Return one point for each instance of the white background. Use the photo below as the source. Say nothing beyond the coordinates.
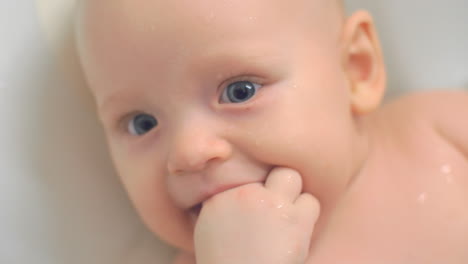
(60, 201)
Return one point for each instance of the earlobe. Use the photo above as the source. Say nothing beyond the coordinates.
(363, 63)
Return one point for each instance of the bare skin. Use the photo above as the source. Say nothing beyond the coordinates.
(370, 184)
(414, 211)
(408, 205)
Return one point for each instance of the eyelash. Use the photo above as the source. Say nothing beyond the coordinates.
(238, 78)
(123, 121)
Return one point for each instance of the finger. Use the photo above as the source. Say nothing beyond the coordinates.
(286, 182)
(308, 207)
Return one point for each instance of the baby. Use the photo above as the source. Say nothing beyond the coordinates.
(249, 131)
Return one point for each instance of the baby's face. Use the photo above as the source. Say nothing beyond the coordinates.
(199, 95)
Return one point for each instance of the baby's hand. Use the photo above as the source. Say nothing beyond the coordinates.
(257, 223)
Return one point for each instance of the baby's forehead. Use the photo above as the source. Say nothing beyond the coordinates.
(116, 36)
(110, 21)
(169, 13)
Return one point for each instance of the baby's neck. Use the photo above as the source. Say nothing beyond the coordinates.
(363, 151)
(363, 148)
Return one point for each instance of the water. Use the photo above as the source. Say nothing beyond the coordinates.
(422, 198)
(446, 171)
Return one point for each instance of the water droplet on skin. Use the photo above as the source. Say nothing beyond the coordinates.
(446, 169)
(279, 206)
(422, 198)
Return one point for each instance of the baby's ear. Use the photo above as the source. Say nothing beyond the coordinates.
(363, 63)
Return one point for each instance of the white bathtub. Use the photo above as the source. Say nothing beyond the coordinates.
(60, 202)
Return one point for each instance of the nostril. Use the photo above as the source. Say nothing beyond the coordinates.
(183, 167)
(196, 154)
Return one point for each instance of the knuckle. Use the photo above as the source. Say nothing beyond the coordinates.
(310, 208)
(311, 201)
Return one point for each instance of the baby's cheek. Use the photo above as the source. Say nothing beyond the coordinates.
(146, 188)
(169, 224)
(139, 172)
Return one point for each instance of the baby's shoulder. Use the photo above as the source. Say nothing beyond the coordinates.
(444, 112)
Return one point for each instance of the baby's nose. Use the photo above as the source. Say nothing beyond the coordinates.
(192, 151)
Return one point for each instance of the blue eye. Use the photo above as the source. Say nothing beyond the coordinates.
(239, 92)
(141, 124)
